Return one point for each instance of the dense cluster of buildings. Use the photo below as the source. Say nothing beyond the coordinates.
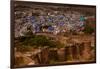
(48, 19)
